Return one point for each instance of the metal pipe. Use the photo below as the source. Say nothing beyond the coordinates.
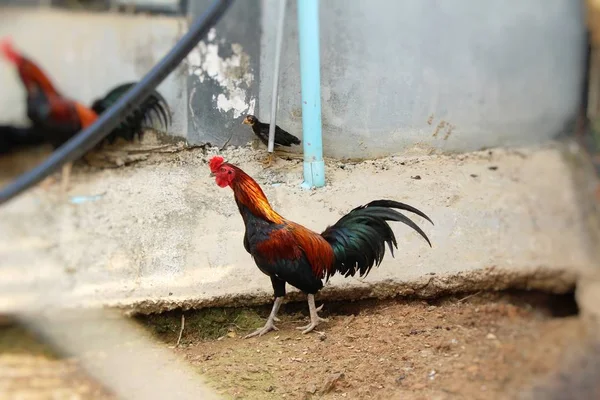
(274, 95)
(310, 76)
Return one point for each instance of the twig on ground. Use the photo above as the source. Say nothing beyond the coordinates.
(469, 296)
(181, 330)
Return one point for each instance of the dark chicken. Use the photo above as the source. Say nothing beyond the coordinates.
(261, 129)
(290, 253)
(16, 137)
(55, 118)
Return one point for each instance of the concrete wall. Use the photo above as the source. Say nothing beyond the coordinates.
(449, 75)
(164, 235)
(491, 73)
(224, 76)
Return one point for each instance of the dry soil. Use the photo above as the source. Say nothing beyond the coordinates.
(477, 346)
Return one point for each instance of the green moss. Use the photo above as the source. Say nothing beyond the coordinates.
(210, 323)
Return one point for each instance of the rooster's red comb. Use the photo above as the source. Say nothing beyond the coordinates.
(8, 51)
(215, 163)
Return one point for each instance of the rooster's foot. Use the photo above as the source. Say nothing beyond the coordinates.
(269, 326)
(313, 324)
(315, 320)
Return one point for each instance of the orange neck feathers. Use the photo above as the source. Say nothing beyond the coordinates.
(86, 115)
(30, 73)
(249, 193)
(245, 189)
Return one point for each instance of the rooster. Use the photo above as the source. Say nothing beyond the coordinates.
(290, 253)
(55, 118)
(261, 130)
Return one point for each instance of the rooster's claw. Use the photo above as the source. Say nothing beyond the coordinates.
(261, 331)
(315, 320)
(313, 324)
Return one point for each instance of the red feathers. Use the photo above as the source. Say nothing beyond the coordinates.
(275, 248)
(318, 252)
(32, 76)
(9, 52)
(86, 116)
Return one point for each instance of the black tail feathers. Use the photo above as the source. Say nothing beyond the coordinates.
(139, 118)
(358, 239)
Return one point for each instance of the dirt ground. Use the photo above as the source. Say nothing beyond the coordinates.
(478, 346)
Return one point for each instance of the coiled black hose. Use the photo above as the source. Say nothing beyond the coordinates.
(85, 140)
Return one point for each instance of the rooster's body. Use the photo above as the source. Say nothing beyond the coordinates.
(16, 137)
(290, 253)
(54, 118)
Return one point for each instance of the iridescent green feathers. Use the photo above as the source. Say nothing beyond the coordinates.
(358, 239)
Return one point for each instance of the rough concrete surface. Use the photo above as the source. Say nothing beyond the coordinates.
(161, 234)
(588, 203)
(451, 78)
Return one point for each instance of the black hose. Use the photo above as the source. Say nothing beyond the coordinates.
(85, 140)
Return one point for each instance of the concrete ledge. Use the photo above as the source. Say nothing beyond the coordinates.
(161, 234)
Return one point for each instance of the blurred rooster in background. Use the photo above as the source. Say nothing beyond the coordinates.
(55, 118)
(290, 253)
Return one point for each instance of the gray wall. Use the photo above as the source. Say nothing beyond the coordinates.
(449, 75)
(224, 76)
(491, 73)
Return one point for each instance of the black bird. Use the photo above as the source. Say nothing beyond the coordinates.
(261, 129)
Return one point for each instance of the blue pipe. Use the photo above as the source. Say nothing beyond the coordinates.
(310, 77)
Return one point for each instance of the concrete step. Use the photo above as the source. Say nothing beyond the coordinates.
(161, 234)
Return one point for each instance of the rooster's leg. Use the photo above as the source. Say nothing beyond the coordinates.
(314, 317)
(269, 326)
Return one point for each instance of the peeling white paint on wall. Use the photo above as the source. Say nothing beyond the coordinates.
(252, 106)
(212, 34)
(232, 74)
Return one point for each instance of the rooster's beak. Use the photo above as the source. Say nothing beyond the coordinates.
(246, 122)
(212, 175)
